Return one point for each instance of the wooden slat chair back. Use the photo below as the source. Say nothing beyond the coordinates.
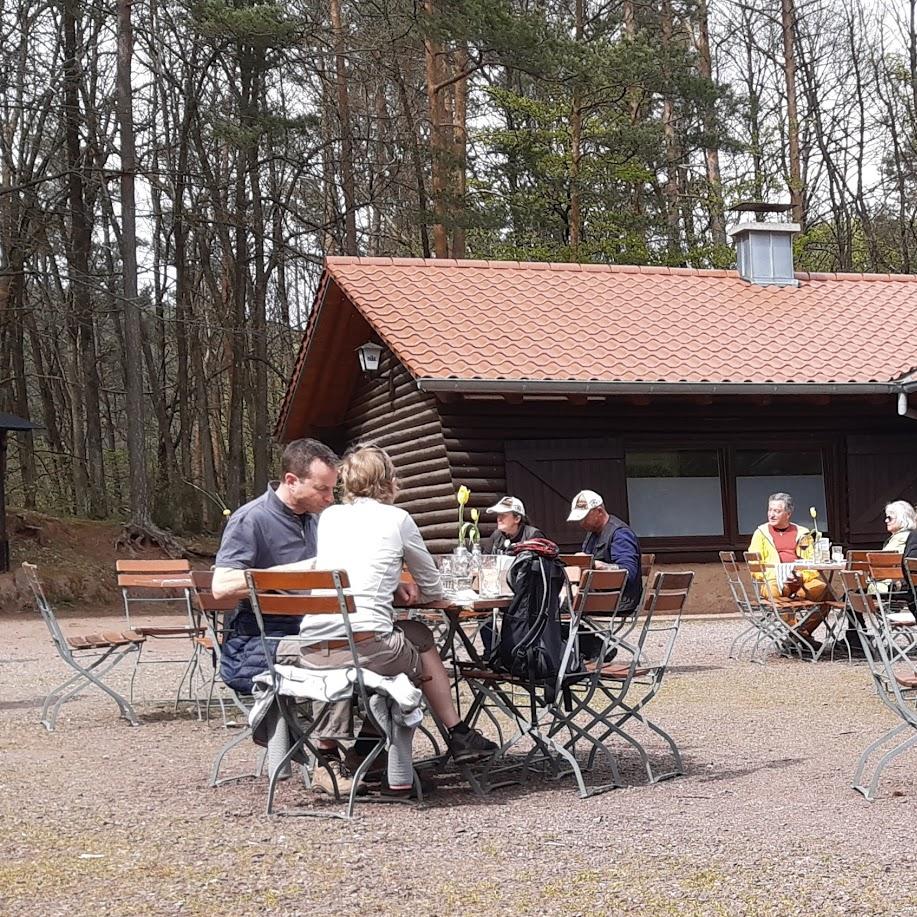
(155, 582)
(302, 594)
(92, 656)
(887, 575)
(894, 674)
(858, 560)
(152, 586)
(575, 566)
(600, 592)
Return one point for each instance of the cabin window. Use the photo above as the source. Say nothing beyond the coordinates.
(674, 493)
(759, 473)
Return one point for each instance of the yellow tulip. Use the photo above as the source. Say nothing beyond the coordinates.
(463, 495)
(813, 512)
(475, 514)
(227, 512)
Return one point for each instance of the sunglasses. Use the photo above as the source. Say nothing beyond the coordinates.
(888, 519)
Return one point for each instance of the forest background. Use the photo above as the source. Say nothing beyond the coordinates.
(173, 172)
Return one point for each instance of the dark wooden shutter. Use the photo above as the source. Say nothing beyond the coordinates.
(880, 469)
(547, 474)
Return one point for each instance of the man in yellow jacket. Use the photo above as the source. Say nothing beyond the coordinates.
(780, 541)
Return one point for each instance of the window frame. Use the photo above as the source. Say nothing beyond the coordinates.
(699, 547)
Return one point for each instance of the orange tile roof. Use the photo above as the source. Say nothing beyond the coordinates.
(510, 320)
(505, 321)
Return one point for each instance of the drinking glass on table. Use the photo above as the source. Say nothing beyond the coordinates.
(445, 568)
(822, 549)
(837, 554)
(490, 577)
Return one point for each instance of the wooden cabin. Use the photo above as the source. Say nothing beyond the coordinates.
(683, 396)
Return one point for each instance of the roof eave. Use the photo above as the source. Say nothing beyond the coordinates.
(592, 387)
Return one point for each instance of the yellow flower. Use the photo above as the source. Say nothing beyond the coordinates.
(813, 512)
(227, 512)
(475, 514)
(463, 494)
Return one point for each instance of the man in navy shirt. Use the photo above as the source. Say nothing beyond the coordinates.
(273, 531)
(611, 541)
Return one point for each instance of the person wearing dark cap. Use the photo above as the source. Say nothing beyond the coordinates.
(611, 541)
(512, 526)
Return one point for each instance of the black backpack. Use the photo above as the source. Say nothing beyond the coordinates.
(531, 644)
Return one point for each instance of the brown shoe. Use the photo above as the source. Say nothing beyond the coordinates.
(334, 778)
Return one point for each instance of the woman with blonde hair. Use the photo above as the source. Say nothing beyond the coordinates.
(373, 540)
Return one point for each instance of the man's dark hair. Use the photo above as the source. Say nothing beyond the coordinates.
(299, 455)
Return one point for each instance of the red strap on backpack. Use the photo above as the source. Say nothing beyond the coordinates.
(540, 546)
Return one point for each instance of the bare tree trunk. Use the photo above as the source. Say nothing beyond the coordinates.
(711, 152)
(133, 334)
(343, 98)
(87, 430)
(576, 143)
(416, 161)
(440, 131)
(797, 196)
(261, 444)
(460, 153)
(671, 189)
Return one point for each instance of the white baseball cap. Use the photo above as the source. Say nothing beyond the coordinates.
(508, 505)
(582, 503)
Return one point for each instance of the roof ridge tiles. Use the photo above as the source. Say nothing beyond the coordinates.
(658, 269)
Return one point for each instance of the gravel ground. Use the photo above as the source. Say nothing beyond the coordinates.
(100, 818)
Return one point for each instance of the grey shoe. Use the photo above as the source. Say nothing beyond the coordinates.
(470, 746)
(323, 782)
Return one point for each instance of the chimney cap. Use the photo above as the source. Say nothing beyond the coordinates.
(759, 207)
(764, 228)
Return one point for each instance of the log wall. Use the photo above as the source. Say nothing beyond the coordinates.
(392, 413)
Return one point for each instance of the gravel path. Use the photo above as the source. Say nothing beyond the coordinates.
(99, 818)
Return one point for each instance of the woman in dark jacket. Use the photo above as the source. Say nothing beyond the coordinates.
(512, 526)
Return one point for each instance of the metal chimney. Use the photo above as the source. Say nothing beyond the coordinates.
(764, 251)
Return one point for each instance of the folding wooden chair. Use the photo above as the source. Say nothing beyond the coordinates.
(149, 585)
(894, 675)
(92, 656)
(886, 576)
(300, 594)
(214, 613)
(620, 689)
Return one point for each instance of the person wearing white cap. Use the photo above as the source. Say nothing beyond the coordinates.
(512, 526)
(609, 540)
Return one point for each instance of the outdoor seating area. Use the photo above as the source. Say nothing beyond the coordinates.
(754, 741)
(357, 670)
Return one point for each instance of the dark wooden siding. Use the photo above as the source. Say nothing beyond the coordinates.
(481, 436)
(393, 414)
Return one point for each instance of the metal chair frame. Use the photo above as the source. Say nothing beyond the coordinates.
(606, 698)
(889, 666)
(756, 617)
(786, 637)
(99, 654)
